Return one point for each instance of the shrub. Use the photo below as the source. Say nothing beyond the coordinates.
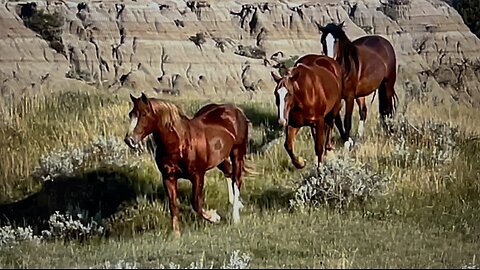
(235, 262)
(101, 151)
(430, 143)
(284, 65)
(12, 236)
(470, 12)
(339, 182)
(68, 226)
(49, 26)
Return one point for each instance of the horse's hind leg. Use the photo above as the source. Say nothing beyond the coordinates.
(197, 198)
(386, 98)
(237, 155)
(362, 108)
(348, 142)
(226, 168)
(329, 121)
(320, 140)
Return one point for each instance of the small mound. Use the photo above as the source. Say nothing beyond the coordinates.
(338, 182)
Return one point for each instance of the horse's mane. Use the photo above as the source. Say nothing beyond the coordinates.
(168, 113)
(349, 52)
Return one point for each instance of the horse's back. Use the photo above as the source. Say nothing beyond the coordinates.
(320, 60)
(227, 116)
(380, 46)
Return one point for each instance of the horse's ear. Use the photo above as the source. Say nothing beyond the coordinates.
(319, 26)
(341, 24)
(293, 74)
(144, 98)
(276, 77)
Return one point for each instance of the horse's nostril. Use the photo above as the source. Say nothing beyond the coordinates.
(129, 141)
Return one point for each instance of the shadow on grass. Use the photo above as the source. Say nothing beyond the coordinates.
(271, 198)
(264, 120)
(101, 192)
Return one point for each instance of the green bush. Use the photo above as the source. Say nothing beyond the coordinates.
(470, 12)
(49, 26)
(286, 64)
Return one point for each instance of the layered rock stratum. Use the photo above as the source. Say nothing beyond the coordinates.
(227, 48)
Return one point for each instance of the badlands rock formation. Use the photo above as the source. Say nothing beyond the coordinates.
(224, 47)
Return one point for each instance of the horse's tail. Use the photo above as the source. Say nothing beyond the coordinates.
(395, 101)
(387, 96)
(249, 168)
(249, 165)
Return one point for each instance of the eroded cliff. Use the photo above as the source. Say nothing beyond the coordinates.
(226, 47)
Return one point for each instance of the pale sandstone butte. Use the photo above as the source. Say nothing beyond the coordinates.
(146, 45)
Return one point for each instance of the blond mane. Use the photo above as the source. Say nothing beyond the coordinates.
(168, 113)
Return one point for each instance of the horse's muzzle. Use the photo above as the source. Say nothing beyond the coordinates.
(131, 142)
(282, 122)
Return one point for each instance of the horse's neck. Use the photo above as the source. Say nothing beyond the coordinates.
(171, 139)
(348, 64)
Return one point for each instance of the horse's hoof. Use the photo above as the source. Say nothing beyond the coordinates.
(348, 144)
(300, 164)
(213, 216)
(176, 234)
(329, 147)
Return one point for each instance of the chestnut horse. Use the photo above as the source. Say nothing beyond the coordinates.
(216, 136)
(321, 60)
(368, 63)
(309, 96)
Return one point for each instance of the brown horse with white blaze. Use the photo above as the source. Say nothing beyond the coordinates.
(216, 136)
(309, 96)
(368, 63)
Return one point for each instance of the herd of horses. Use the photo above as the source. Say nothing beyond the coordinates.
(309, 94)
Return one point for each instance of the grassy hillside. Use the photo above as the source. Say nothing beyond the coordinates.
(427, 215)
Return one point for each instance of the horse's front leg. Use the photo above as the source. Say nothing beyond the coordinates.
(299, 162)
(348, 123)
(320, 141)
(362, 109)
(197, 199)
(170, 185)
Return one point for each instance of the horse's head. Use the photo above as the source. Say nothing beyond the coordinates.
(330, 38)
(284, 94)
(142, 121)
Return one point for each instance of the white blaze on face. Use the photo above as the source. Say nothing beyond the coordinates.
(133, 124)
(282, 92)
(330, 40)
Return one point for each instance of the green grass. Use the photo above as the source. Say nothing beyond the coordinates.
(429, 217)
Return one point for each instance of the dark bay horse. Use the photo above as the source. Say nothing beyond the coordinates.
(368, 63)
(309, 96)
(216, 136)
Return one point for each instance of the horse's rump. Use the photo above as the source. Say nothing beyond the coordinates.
(319, 60)
(227, 116)
(381, 47)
